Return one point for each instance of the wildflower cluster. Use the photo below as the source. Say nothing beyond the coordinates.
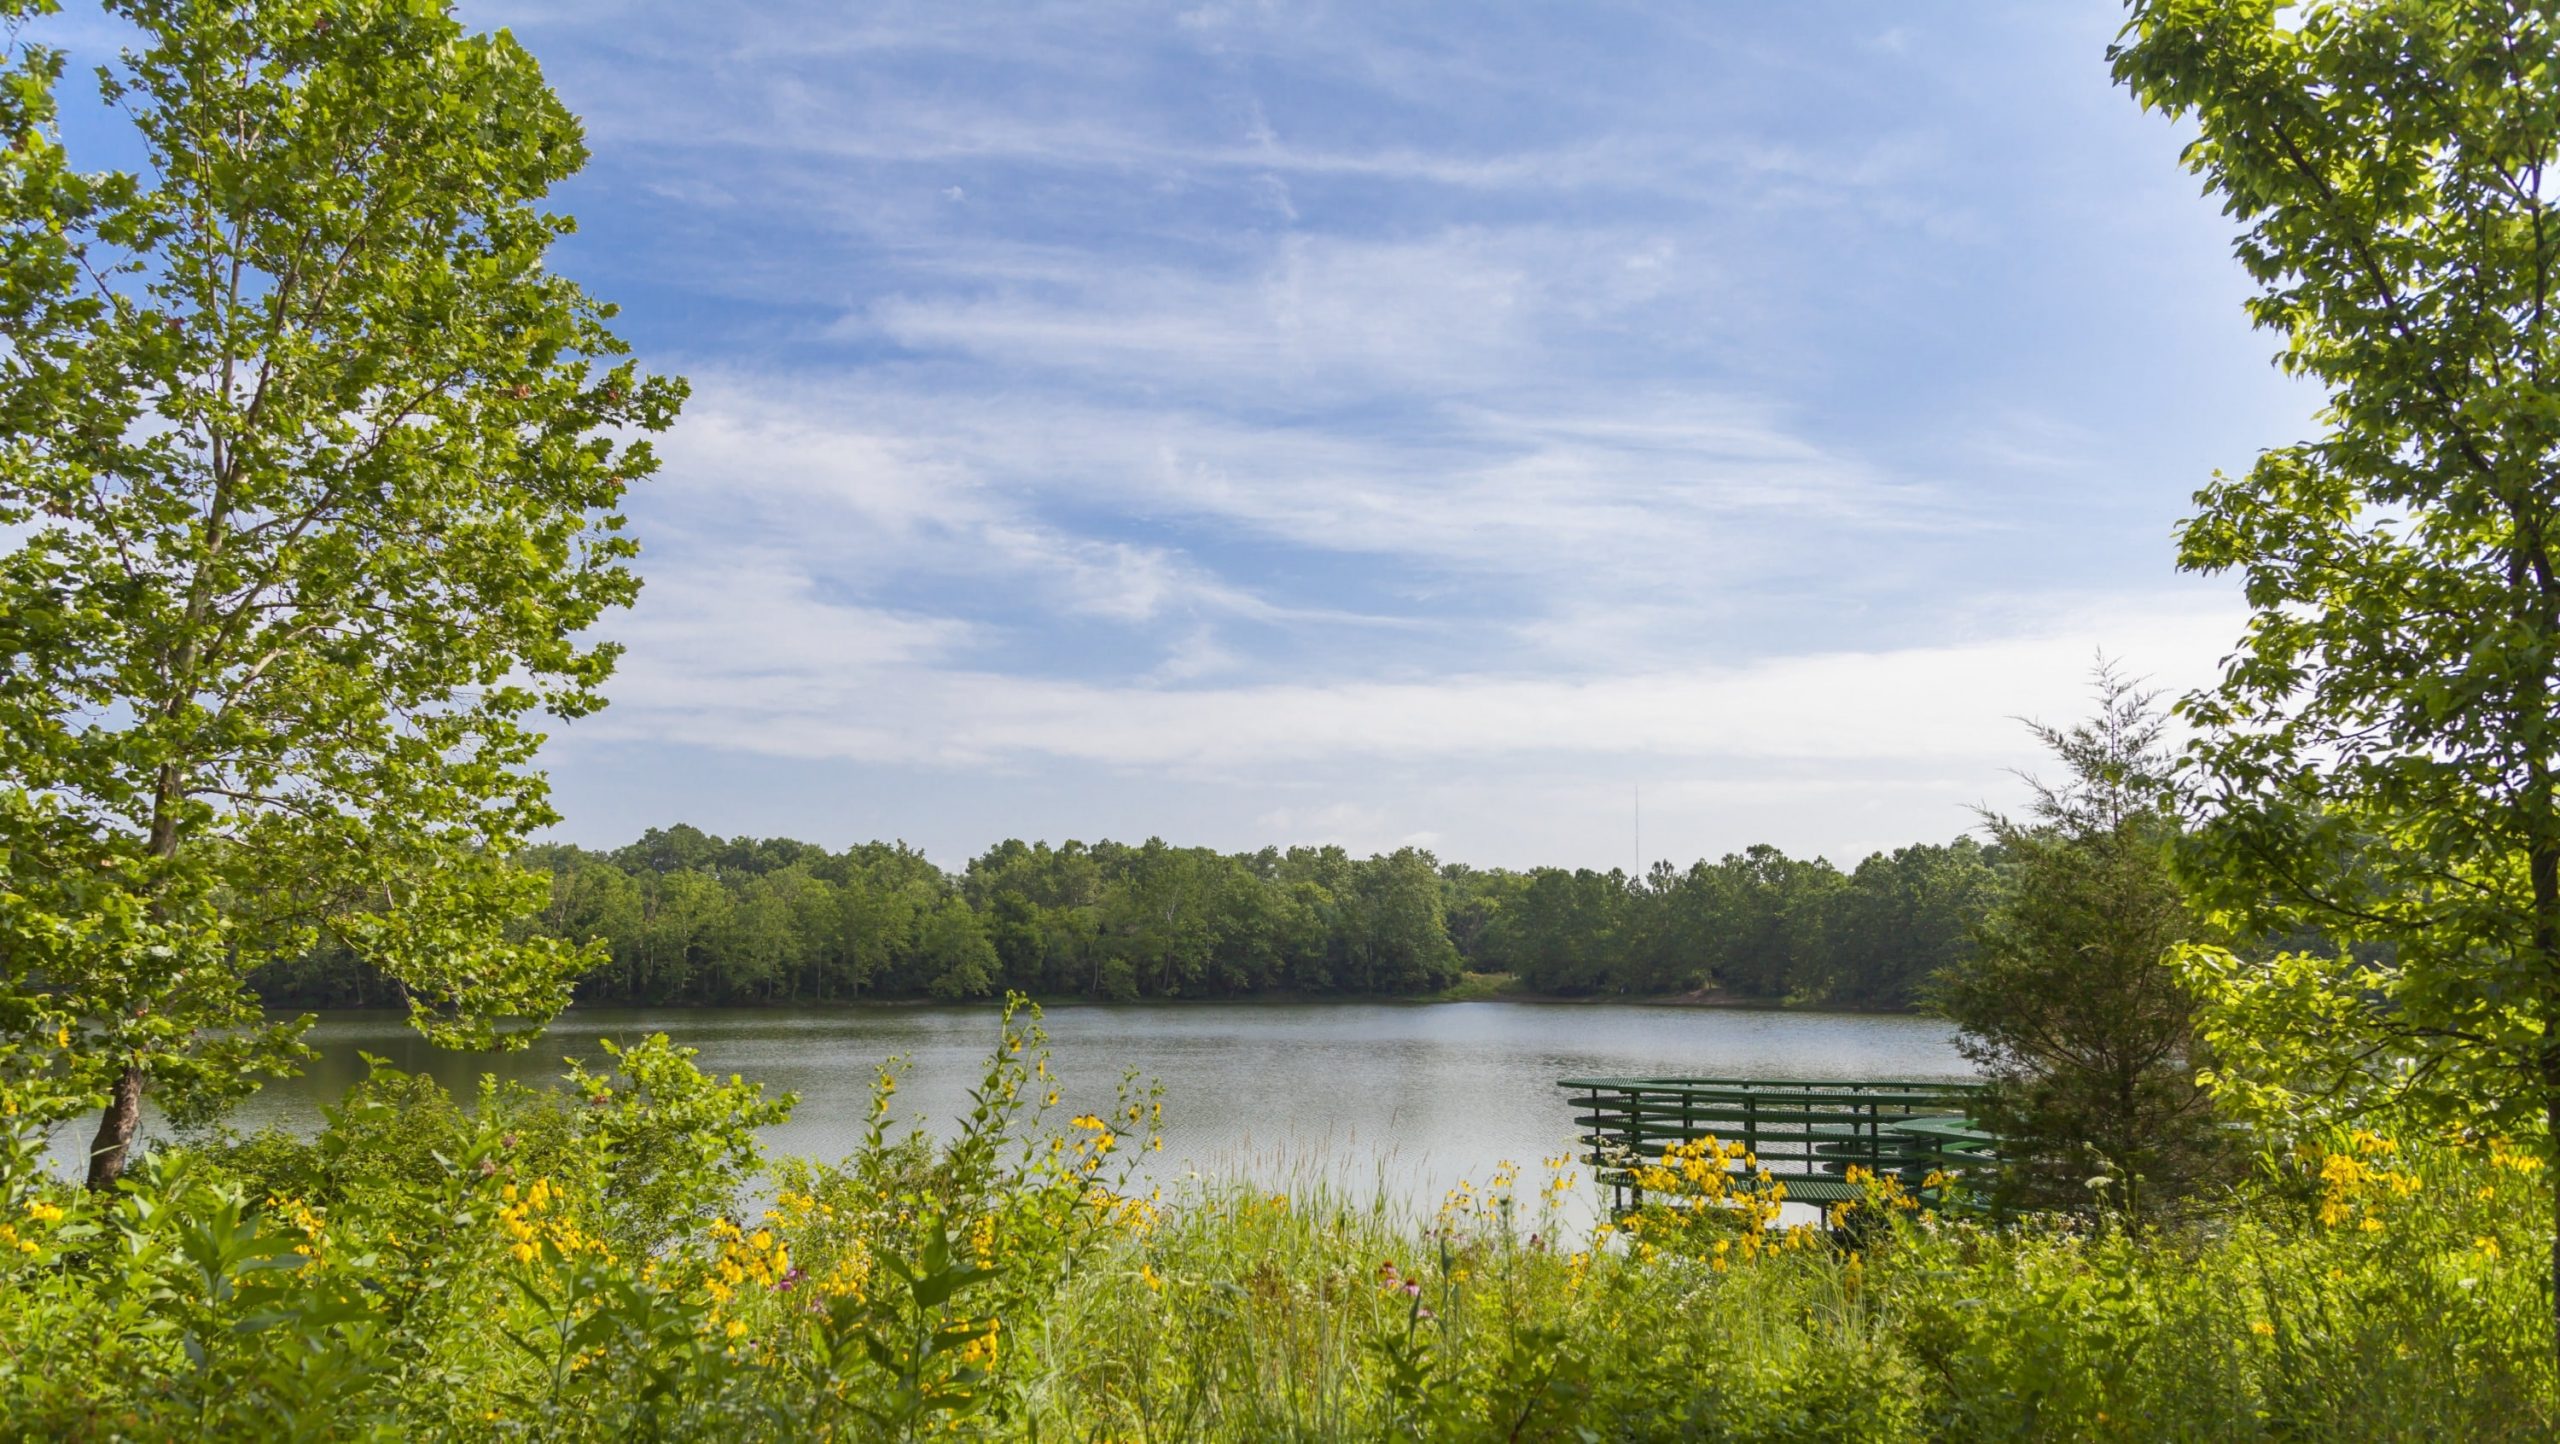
(26, 1236)
(297, 1214)
(2504, 1155)
(1400, 1287)
(1883, 1195)
(2356, 1182)
(936, 1257)
(1707, 1199)
(836, 1261)
(743, 1260)
(1702, 1173)
(1008, 1281)
(534, 1225)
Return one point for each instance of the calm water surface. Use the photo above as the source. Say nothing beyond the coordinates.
(1400, 1098)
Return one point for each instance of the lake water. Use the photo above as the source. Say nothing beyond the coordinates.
(1400, 1098)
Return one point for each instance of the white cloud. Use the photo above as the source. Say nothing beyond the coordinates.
(1642, 505)
(1196, 654)
(874, 505)
(803, 123)
(2024, 441)
(1312, 319)
(1335, 822)
(812, 688)
(1384, 428)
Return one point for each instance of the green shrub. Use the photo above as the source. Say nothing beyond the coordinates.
(581, 1263)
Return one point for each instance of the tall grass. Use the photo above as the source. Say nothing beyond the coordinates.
(561, 1267)
(1244, 1314)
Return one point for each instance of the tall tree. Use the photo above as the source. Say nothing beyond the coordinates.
(2384, 748)
(1565, 932)
(1770, 909)
(1399, 935)
(953, 954)
(1903, 918)
(1160, 918)
(317, 471)
(2068, 999)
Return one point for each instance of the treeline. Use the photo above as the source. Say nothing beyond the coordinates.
(690, 918)
(1758, 924)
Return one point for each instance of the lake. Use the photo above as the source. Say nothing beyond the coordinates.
(1399, 1098)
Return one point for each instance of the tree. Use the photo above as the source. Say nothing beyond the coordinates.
(2381, 749)
(1399, 937)
(953, 953)
(817, 908)
(1159, 916)
(316, 471)
(876, 922)
(592, 901)
(760, 945)
(681, 848)
(2068, 1000)
(1565, 932)
(1320, 880)
(1475, 900)
(1903, 918)
(1021, 946)
(1770, 908)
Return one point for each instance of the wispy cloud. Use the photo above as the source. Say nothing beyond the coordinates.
(1383, 424)
(1652, 507)
(806, 693)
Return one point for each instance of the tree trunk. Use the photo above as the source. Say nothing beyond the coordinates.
(115, 1131)
(2543, 866)
(2551, 1121)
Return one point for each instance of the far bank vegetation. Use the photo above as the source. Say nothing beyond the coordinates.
(692, 919)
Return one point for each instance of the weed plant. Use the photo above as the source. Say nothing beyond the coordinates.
(580, 1263)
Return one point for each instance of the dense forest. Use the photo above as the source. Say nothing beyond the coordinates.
(689, 918)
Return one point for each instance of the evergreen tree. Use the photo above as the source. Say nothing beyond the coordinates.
(2069, 1001)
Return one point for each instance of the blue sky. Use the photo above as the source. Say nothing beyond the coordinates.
(1378, 424)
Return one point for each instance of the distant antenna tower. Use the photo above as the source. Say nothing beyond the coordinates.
(1639, 832)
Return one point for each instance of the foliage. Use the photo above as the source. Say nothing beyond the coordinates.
(312, 469)
(676, 1145)
(424, 1269)
(689, 918)
(2381, 750)
(2366, 1291)
(2069, 1001)
(1756, 924)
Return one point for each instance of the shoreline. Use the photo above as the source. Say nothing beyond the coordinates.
(1479, 988)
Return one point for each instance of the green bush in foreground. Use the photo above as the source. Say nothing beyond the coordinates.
(578, 1264)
